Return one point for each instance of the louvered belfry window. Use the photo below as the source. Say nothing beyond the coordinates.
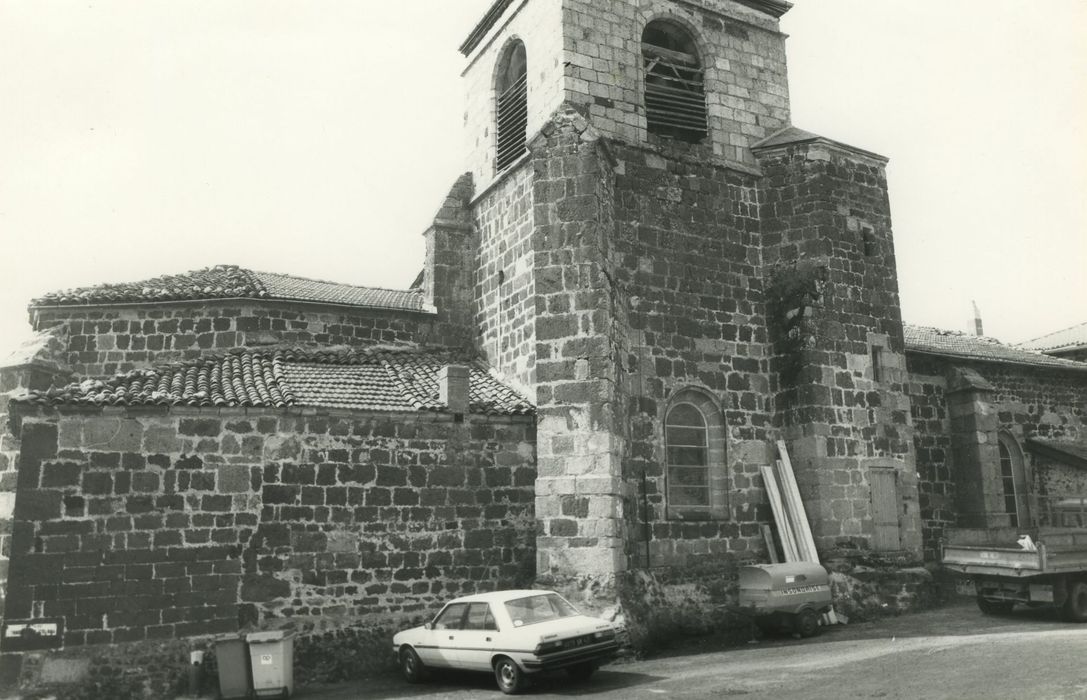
(512, 87)
(675, 96)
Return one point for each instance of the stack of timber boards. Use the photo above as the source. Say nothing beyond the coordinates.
(789, 513)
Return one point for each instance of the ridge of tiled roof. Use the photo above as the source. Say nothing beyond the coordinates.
(1071, 338)
(937, 341)
(396, 378)
(234, 282)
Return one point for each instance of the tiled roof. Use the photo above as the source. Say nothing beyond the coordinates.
(233, 282)
(378, 379)
(935, 341)
(1074, 338)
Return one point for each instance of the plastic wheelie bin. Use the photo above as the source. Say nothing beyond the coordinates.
(272, 657)
(233, 660)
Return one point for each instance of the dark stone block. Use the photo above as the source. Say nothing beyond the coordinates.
(262, 589)
(275, 493)
(61, 474)
(38, 505)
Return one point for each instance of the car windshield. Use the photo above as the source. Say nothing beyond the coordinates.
(538, 608)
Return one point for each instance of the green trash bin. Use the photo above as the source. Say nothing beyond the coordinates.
(233, 660)
(272, 659)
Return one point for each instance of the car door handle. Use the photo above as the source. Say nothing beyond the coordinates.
(488, 639)
(450, 636)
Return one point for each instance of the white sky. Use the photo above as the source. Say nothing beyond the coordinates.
(318, 138)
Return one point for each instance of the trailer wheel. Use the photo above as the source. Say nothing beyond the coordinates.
(995, 607)
(1075, 606)
(806, 623)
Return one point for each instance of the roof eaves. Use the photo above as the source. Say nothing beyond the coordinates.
(1053, 450)
(1063, 365)
(423, 308)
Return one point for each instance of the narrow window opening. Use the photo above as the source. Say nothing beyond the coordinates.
(675, 97)
(871, 245)
(1007, 480)
(512, 87)
(877, 364)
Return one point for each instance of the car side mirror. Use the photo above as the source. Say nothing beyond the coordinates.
(428, 626)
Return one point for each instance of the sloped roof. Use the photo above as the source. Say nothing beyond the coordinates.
(377, 379)
(233, 282)
(790, 135)
(1073, 338)
(935, 341)
(1074, 453)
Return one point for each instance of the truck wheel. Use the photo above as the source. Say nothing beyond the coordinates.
(995, 607)
(806, 623)
(1075, 606)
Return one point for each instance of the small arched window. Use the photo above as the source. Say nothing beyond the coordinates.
(1013, 481)
(695, 480)
(511, 129)
(675, 96)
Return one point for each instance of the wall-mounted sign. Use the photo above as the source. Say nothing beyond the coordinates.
(28, 635)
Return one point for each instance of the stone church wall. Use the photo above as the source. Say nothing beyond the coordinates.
(687, 243)
(102, 341)
(505, 286)
(141, 527)
(1028, 403)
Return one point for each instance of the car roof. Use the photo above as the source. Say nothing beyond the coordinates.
(499, 596)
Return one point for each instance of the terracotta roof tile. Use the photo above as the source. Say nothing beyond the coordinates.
(232, 282)
(954, 343)
(379, 379)
(1074, 338)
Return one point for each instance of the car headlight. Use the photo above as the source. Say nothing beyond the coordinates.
(607, 634)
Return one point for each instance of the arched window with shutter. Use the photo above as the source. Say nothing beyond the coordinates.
(675, 96)
(695, 477)
(511, 86)
(1013, 481)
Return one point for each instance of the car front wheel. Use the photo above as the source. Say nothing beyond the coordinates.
(411, 665)
(510, 677)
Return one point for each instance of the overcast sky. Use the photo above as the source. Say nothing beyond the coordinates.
(318, 138)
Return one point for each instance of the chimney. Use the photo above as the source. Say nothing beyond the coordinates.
(978, 330)
(453, 388)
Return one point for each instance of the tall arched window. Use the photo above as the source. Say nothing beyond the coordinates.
(511, 128)
(1013, 481)
(675, 97)
(695, 478)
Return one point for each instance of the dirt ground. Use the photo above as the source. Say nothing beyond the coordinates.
(953, 652)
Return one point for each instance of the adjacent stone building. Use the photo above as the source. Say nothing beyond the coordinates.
(645, 279)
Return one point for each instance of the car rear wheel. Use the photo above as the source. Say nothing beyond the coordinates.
(806, 623)
(411, 665)
(508, 675)
(1075, 607)
(995, 607)
(581, 672)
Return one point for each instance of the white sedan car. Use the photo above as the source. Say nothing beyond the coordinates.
(510, 633)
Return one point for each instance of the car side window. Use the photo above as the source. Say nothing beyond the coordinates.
(451, 618)
(489, 623)
(477, 616)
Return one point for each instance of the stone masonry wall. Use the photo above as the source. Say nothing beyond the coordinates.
(136, 526)
(687, 241)
(105, 340)
(505, 289)
(1028, 402)
(742, 52)
(833, 288)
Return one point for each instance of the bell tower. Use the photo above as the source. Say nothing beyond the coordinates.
(706, 75)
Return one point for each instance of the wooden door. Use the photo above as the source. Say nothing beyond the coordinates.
(884, 484)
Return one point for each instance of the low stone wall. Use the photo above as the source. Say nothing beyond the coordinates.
(136, 527)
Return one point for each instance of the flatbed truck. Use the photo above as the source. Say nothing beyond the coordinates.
(1000, 573)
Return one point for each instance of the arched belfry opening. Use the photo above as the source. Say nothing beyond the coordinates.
(675, 96)
(511, 129)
